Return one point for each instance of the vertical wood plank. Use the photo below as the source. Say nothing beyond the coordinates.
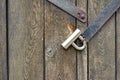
(3, 71)
(102, 46)
(60, 63)
(82, 55)
(118, 44)
(26, 39)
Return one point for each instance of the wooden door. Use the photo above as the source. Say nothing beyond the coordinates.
(31, 33)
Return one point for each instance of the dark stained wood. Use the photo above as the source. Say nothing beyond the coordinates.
(60, 63)
(82, 55)
(26, 25)
(102, 46)
(3, 70)
(118, 44)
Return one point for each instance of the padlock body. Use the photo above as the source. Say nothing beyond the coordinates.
(71, 39)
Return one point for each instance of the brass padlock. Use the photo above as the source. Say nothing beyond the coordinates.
(70, 41)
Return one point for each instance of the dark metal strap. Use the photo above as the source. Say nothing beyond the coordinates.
(71, 9)
(101, 19)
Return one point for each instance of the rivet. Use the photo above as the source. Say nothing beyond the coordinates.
(82, 16)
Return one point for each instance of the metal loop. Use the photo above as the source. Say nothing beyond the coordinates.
(82, 47)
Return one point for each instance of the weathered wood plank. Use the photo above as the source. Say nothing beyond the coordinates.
(3, 71)
(82, 55)
(118, 44)
(26, 25)
(60, 64)
(102, 46)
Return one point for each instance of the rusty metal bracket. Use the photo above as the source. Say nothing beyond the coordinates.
(70, 9)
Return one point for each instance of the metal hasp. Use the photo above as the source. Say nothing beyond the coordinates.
(105, 15)
(93, 28)
(70, 9)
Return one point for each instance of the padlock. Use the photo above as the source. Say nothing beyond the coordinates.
(71, 40)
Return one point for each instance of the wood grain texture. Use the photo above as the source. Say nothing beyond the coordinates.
(3, 71)
(60, 63)
(26, 39)
(82, 55)
(102, 46)
(118, 44)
